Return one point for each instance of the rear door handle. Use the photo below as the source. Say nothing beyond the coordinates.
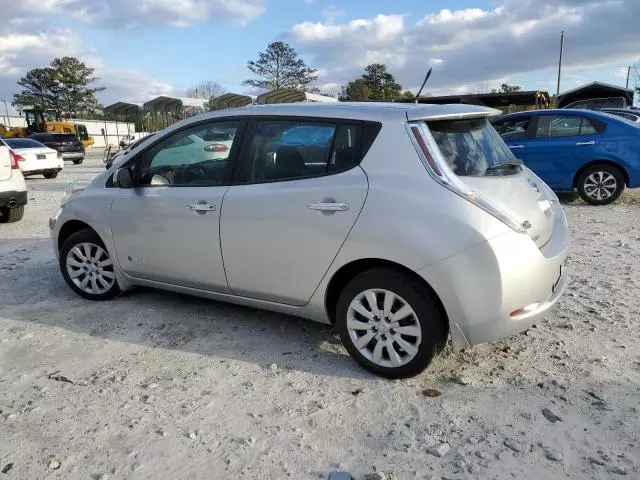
(329, 207)
(586, 143)
(201, 207)
(516, 146)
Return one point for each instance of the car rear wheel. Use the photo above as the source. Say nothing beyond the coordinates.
(11, 215)
(87, 267)
(600, 184)
(77, 162)
(53, 174)
(389, 323)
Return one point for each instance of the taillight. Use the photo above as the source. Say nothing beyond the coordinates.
(425, 151)
(15, 158)
(216, 148)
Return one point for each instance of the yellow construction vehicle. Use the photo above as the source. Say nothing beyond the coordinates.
(47, 121)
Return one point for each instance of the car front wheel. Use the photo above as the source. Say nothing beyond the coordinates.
(600, 184)
(389, 323)
(87, 267)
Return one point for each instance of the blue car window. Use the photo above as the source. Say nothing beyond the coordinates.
(310, 135)
(564, 126)
(513, 128)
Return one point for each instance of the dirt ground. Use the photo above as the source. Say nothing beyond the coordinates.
(161, 386)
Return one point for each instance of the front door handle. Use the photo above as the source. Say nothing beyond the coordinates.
(516, 146)
(201, 207)
(329, 206)
(586, 143)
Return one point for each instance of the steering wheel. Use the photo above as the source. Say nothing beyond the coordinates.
(193, 173)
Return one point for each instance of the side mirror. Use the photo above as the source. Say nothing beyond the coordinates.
(108, 165)
(122, 178)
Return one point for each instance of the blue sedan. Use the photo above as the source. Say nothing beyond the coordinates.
(594, 152)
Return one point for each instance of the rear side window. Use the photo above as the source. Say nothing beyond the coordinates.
(473, 148)
(564, 126)
(513, 128)
(287, 150)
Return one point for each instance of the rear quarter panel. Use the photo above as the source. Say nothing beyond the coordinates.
(621, 144)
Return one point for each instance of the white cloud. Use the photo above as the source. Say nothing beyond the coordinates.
(332, 12)
(21, 50)
(141, 14)
(27, 42)
(472, 46)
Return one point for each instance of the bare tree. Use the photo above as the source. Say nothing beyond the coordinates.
(205, 90)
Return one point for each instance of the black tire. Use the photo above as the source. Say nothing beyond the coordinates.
(78, 162)
(432, 324)
(607, 170)
(85, 236)
(50, 175)
(11, 215)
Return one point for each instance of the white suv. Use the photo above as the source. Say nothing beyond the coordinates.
(13, 190)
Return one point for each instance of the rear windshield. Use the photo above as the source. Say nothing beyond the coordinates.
(63, 137)
(473, 148)
(54, 137)
(17, 143)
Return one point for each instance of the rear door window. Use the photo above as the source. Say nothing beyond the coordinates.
(286, 150)
(473, 148)
(513, 128)
(564, 126)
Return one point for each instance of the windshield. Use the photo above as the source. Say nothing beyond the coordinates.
(473, 148)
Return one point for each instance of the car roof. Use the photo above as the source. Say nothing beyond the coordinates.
(560, 111)
(374, 111)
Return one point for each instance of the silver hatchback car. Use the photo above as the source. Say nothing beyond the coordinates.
(400, 224)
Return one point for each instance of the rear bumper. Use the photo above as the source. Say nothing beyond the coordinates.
(41, 166)
(42, 171)
(72, 155)
(13, 199)
(503, 286)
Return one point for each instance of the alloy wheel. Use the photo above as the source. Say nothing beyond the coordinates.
(600, 185)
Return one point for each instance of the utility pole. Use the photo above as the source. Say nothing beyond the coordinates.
(6, 109)
(628, 74)
(560, 62)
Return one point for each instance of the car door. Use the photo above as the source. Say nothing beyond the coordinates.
(292, 207)
(562, 144)
(166, 228)
(516, 131)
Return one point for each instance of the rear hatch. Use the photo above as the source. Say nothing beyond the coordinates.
(37, 154)
(477, 155)
(65, 143)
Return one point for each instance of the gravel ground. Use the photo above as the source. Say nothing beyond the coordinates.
(161, 386)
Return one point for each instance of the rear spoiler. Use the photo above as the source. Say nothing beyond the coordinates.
(464, 113)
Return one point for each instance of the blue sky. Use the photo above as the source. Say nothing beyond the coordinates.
(143, 48)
